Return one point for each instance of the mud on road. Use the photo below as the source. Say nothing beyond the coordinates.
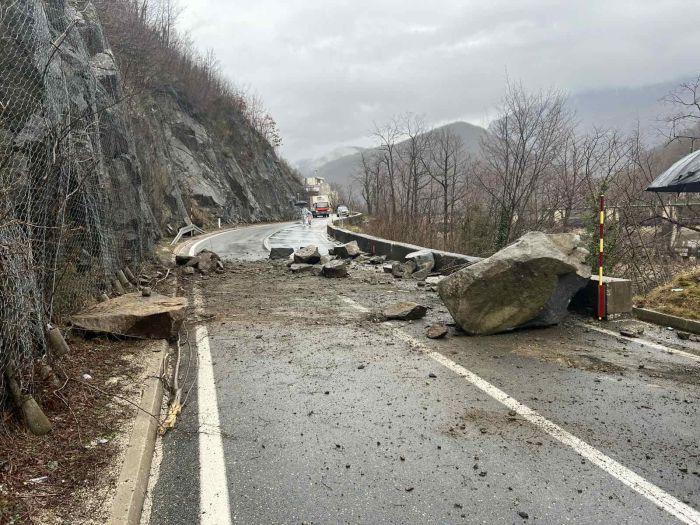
(328, 415)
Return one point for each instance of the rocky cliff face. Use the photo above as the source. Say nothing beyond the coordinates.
(91, 177)
(155, 164)
(207, 168)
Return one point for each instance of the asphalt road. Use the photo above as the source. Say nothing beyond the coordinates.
(302, 408)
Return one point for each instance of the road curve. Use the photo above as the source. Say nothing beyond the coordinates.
(253, 242)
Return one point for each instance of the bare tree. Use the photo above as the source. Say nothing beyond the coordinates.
(446, 164)
(521, 147)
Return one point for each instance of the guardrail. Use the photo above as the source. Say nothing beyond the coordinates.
(393, 250)
(190, 228)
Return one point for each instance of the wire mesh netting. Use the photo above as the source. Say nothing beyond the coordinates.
(59, 247)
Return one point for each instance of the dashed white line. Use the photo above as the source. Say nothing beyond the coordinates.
(213, 486)
(645, 488)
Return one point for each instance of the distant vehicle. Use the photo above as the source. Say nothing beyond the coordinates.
(343, 211)
(321, 209)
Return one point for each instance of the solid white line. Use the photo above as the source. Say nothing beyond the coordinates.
(656, 495)
(213, 487)
(643, 342)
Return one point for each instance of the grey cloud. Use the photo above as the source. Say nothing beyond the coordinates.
(328, 69)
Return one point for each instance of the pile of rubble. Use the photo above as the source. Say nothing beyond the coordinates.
(340, 259)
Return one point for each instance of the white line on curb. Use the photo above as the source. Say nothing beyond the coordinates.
(656, 495)
(643, 342)
(214, 504)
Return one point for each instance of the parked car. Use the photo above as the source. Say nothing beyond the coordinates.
(343, 211)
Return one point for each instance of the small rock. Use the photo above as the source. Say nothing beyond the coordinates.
(683, 335)
(87, 377)
(405, 311)
(361, 367)
(348, 251)
(336, 268)
(437, 331)
(189, 270)
(307, 255)
(146, 291)
(432, 375)
(524, 515)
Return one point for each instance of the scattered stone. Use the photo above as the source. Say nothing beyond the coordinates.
(307, 255)
(377, 260)
(420, 284)
(331, 251)
(397, 270)
(280, 253)
(528, 283)
(420, 275)
(325, 259)
(317, 270)
(432, 375)
(437, 331)
(146, 291)
(684, 336)
(434, 280)
(87, 377)
(348, 251)
(388, 268)
(524, 515)
(301, 268)
(405, 311)
(154, 317)
(188, 270)
(631, 330)
(336, 268)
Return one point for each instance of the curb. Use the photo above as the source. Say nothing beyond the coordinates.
(393, 250)
(679, 323)
(136, 469)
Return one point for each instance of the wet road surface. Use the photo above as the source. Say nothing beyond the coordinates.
(327, 416)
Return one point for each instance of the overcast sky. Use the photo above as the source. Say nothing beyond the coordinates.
(328, 69)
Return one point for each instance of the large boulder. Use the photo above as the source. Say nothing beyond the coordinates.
(348, 251)
(280, 253)
(528, 283)
(307, 255)
(154, 317)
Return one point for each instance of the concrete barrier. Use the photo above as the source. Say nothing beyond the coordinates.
(395, 251)
(679, 323)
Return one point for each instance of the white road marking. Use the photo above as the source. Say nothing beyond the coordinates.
(643, 342)
(656, 495)
(213, 487)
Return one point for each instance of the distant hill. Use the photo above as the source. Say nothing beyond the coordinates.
(340, 169)
(625, 108)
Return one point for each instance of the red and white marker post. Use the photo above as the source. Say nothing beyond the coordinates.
(601, 284)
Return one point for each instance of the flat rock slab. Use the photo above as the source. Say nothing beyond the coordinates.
(405, 311)
(280, 253)
(153, 317)
(301, 267)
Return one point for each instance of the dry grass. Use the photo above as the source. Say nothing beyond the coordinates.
(683, 303)
(71, 460)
